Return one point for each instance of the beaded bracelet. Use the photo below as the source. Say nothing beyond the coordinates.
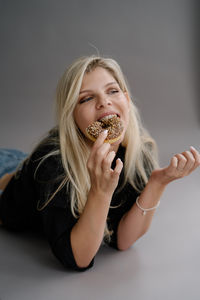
(145, 210)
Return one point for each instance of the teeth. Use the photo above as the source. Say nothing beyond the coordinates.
(107, 117)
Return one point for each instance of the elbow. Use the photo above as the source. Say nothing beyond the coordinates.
(83, 263)
(82, 254)
(123, 248)
(123, 244)
(142, 233)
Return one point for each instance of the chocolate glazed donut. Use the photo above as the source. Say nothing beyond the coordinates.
(112, 123)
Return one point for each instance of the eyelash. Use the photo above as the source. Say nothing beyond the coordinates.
(83, 100)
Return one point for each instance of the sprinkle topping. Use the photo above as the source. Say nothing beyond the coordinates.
(112, 123)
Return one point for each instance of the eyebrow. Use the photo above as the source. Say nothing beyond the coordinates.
(110, 83)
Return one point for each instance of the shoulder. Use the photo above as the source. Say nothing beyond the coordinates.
(46, 163)
(45, 159)
(48, 145)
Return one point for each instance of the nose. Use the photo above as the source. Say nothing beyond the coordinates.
(102, 101)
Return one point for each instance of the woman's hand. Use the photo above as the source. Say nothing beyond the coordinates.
(88, 232)
(104, 179)
(181, 165)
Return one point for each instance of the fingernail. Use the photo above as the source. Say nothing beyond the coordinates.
(105, 132)
(191, 147)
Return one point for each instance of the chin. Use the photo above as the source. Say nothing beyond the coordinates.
(118, 142)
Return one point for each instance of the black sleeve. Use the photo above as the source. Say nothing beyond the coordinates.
(57, 218)
(57, 224)
(121, 203)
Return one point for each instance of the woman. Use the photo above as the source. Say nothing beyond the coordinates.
(78, 192)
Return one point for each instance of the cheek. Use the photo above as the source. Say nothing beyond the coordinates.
(125, 111)
(81, 117)
(126, 122)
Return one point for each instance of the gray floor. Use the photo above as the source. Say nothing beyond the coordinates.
(164, 264)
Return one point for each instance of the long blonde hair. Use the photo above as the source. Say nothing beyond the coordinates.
(141, 152)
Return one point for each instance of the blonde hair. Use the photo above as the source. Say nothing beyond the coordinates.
(141, 152)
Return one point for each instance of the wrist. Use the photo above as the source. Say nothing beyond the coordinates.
(158, 179)
(99, 195)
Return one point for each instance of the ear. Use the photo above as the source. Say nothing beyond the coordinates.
(127, 96)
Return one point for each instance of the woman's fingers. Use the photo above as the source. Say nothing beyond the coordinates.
(98, 143)
(196, 155)
(181, 165)
(100, 140)
(101, 158)
(181, 161)
(96, 159)
(174, 162)
(118, 167)
(184, 163)
(103, 177)
(170, 170)
(107, 162)
(97, 148)
(190, 161)
(192, 158)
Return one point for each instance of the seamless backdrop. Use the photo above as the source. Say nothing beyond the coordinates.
(154, 42)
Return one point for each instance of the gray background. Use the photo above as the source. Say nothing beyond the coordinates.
(157, 46)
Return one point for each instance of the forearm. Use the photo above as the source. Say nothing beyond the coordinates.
(87, 234)
(134, 224)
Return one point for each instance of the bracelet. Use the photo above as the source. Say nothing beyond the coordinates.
(145, 210)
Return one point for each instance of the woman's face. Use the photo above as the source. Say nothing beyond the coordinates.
(100, 94)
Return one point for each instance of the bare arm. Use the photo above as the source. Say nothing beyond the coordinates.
(87, 234)
(134, 224)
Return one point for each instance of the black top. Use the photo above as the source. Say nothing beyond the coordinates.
(18, 204)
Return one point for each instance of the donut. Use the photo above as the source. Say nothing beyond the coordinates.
(112, 123)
